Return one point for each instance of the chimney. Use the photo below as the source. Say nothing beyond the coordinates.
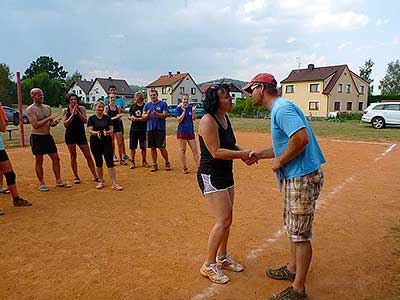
(109, 78)
(169, 74)
(178, 72)
(310, 67)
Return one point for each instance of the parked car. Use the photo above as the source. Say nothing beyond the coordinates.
(199, 109)
(172, 110)
(10, 115)
(382, 114)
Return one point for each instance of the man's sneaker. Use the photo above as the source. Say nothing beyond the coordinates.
(167, 166)
(21, 202)
(229, 264)
(126, 157)
(289, 294)
(154, 168)
(1, 213)
(145, 164)
(77, 180)
(281, 273)
(132, 165)
(44, 188)
(214, 273)
(185, 170)
(115, 158)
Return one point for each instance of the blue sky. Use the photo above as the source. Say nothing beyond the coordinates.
(140, 39)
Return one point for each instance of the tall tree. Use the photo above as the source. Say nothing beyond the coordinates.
(73, 78)
(53, 89)
(46, 64)
(365, 73)
(390, 84)
(8, 90)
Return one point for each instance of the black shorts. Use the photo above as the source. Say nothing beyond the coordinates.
(3, 155)
(156, 139)
(102, 148)
(117, 126)
(78, 139)
(137, 137)
(42, 144)
(211, 183)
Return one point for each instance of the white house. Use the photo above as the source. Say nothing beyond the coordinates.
(82, 88)
(234, 91)
(100, 86)
(171, 87)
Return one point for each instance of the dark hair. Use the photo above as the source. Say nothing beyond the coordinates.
(271, 89)
(111, 87)
(211, 102)
(154, 91)
(69, 95)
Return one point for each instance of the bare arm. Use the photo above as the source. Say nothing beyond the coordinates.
(34, 121)
(182, 116)
(66, 121)
(82, 114)
(209, 133)
(163, 115)
(266, 153)
(3, 125)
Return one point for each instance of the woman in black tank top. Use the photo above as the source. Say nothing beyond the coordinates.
(74, 117)
(215, 177)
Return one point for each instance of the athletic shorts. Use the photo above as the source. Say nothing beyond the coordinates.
(137, 138)
(117, 126)
(42, 144)
(78, 139)
(3, 155)
(185, 136)
(156, 139)
(301, 194)
(211, 184)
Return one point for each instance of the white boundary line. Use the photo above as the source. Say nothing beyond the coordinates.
(213, 289)
(360, 142)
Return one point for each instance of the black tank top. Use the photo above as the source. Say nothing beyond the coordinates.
(227, 140)
(76, 127)
(112, 114)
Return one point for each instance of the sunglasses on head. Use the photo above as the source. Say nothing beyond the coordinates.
(254, 86)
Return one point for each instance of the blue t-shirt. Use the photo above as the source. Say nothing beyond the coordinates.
(118, 101)
(287, 119)
(186, 126)
(2, 147)
(154, 123)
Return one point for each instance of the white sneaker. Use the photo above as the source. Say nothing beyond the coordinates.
(214, 273)
(229, 264)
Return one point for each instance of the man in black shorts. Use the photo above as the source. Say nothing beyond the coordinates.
(42, 142)
(138, 129)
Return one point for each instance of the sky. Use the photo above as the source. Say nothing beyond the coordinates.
(138, 40)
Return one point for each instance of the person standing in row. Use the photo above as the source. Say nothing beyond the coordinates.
(100, 128)
(186, 115)
(42, 141)
(138, 130)
(74, 118)
(116, 114)
(156, 112)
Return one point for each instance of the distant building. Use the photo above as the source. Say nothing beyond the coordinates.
(82, 88)
(171, 87)
(234, 91)
(100, 87)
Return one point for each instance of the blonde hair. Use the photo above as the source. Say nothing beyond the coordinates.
(97, 103)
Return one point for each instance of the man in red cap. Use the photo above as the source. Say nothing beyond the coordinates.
(296, 160)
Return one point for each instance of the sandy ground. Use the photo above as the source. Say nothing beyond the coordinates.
(149, 241)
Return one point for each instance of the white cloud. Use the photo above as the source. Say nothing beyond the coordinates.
(396, 40)
(254, 5)
(342, 21)
(291, 40)
(117, 36)
(345, 45)
(381, 22)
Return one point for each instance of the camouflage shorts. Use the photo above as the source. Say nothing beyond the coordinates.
(301, 194)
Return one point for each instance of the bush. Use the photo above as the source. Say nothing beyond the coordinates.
(349, 116)
(378, 98)
(244, 108)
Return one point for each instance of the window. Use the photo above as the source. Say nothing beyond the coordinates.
(340, 88)
(362, 90)
(233, 95)
(378, 107)
(290, 89)
(349, 106)
(337, 106)
(80, 92)
(164, 90)
(313, 105)
(182, 90)
(193, 91)
(360, 105)
(391, 107)
(348, 88)
(93, 98)
(314, 88)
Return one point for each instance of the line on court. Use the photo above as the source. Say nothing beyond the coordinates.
(386, 152)
(360, 142)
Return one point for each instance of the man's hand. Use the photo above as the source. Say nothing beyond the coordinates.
(251, 160)
(276, 164)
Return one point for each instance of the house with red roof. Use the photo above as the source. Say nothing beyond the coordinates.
(321, 90)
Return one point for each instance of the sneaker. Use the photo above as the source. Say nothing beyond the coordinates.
(133, 166)
(123, 163)
(167, 166)
(185, 170)
(145, 164)
(100, 185)
(2, 213)
(97, 179)
(117, 187)
(214, 273)
(77, 180)
(154, 168)
(115, 158)
(21, 202)
(44, 188)
(281, 273)
(289, 294)
(63, 185)
(229, 264)
(126, 157)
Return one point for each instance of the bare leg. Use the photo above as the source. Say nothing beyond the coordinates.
(120, 144)
(72, 154)
(39, 168)
(113, 142)
(100, 173)
(89, 160)
(222, 250)
(56, 166)
(182, 152)
(221, 207)
(164, 153)
(5, 167)
(193, 147)
(111, 173)
(303, 259)
(154, 155)
(292, 262)
(144, 154)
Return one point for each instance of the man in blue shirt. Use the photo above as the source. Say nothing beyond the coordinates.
(156, 112)
(296, 159)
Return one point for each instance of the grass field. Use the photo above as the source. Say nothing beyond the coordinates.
(346, 130)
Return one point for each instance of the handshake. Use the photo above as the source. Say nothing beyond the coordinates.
(250, 157)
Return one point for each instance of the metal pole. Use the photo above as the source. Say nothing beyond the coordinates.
(21, 119)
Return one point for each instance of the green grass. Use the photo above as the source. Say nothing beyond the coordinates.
(341, 130)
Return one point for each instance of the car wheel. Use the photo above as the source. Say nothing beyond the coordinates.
(25, 120)
(378, 122)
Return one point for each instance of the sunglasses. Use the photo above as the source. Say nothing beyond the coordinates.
(254, 86)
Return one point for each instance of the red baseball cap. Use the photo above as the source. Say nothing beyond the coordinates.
(260, 78)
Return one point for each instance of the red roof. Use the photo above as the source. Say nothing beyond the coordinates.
(168, 80)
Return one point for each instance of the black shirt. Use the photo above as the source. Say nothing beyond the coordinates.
(100, 124)
(76, 127)
(137, 111)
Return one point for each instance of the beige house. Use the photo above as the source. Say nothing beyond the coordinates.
(320, 91)
(171, 87)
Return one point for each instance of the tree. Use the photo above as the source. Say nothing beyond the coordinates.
(53, 89)
(365, 73)
(48, 65)
(73, 78)
(8, 89)
(390, 84)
